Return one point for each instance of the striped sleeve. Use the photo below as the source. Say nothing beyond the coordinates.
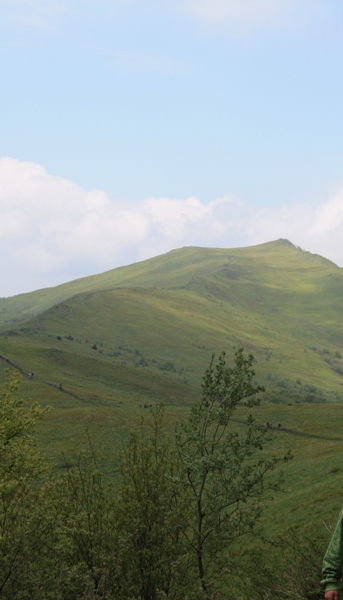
(333, 559)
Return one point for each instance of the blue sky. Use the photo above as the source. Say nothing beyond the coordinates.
(129, 128)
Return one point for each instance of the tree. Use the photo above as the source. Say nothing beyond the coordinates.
(149, 509)
(22, 527)
(84, 511)
(224, 469)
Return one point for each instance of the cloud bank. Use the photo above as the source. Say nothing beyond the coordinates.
(52, 230)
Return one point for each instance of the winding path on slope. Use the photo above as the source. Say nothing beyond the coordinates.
(282, 430)
(286, 430)
(53, 385)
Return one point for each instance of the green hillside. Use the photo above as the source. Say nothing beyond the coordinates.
(160, 321)
(141, 334)
(177, 268)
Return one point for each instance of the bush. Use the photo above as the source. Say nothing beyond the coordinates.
(166, 366)
(289, 570)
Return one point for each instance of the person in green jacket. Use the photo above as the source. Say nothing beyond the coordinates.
(333, 562)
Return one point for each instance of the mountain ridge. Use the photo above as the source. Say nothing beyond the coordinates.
(148, 273)
(167, 315)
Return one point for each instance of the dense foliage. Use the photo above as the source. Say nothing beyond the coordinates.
(170, 527)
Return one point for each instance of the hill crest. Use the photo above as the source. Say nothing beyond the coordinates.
(175, 268)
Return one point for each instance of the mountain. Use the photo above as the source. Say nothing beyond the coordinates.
(174, 269)
(170, 313)
(148, 330)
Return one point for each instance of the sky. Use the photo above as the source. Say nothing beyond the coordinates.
(129, 128)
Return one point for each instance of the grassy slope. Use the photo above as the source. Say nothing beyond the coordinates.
(275, 300)
(156, 325)
(313, 491)
(175, 268)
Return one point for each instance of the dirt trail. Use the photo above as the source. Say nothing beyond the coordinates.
(53, 385)
(307, 435)
(9, 362)
(286, 430)
(282, 430)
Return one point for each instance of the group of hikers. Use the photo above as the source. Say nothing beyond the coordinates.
(270, 425)
(30, 375)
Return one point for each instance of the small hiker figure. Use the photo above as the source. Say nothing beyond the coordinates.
(279, 425)
(29, 375)
(60, 388)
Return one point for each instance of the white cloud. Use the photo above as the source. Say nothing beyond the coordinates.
(318, 228)
(243, 13)
(51, 230)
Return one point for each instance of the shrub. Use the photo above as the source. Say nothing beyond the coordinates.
(166, 366)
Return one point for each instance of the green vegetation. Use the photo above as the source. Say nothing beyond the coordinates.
(150, 511)
(143, 334)
(171, 526)
(224, 473)
(20, 468)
